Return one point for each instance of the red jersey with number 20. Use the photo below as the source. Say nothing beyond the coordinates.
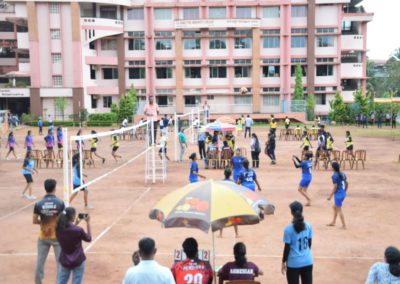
(192, 271)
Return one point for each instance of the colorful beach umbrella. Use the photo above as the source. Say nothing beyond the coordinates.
(210, 205)
(219, 126)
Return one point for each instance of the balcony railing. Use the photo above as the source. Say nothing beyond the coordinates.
(354, 10)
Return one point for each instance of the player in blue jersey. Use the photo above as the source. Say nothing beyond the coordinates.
(297, 261)
(228, 174)
(340, 187)
(306, 176)
(237, 164)
(194, 169)
(248, 177)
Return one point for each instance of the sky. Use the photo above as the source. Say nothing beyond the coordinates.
(383, 32)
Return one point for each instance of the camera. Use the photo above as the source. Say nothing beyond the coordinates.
(83, 216)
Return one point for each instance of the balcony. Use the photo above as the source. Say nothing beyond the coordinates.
(352, 70)
(352, 42)
(217, 23)
(95, 28)
(101, 60)
(23, 40)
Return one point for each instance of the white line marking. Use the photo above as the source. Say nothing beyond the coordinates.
(16, 211)
(117, 219)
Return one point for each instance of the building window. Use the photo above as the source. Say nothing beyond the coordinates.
(271, 12)
(320, 99)
(271, 90)
(299, 41)
(136, 44)
(191, 43)
(243, 43)
(271, 42)
(191, 13)
(110, 73)
(55, 33)
(54, 8)
(217, 12)
(271, 71)
(108, 44)
(136, 14)
(326, 30)
(243, 12)
(242, 100)
(108, 12)
(57, 81)
(192, 100)
(163, 14)
(93, 101)
(293, 70)
(56, 58)
(299, 11)
(242, 71)
(163, 44)
(326, 41)
(137, 73)
(92, 72)
(164, 72)
(193, 72)
(22, 29)
(6, 52)
(324, 70)
(217, 72)
(271, 100)
(6, 27)
(217, 43)
(107, 101)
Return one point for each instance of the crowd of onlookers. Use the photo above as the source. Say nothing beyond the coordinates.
(379, 118)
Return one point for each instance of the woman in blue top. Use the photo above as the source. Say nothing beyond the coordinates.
(59, 137)
(194, 169)
(11, 144)
(77, 181)
(340, 186)
(237, 164)
(248, 178)
(29, 141)
(297, 261)
(306, 177)
(28, 168)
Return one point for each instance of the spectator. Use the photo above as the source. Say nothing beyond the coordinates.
(255, 150)
(297, 260)
(394, 116)
(248, 122)
(388, 271)
(165, 123)
(182, 143)
(206, 109)
(40, 125)
(387, 119)
(273, 124)
(70, 236)
(379, 119)
(50, 120)
(45, 214)
(192, 270)
(365, 120)
(372, 118)
(124, 123)
(201, 141)
(240, 269)
(151, 111)
(270, 147)
(148, 271)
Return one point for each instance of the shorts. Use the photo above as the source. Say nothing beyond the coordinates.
(306, 148)
(161, 150)
(11, 148)
(59, 145)
(286, 126)
(28, 148)
(349, 148)
(305, 182)
(93, 150)
(28, 178)
(115, 148)
(50, 148)
(339, 200)
(82, 189)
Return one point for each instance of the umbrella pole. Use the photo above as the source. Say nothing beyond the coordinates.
(214, 263)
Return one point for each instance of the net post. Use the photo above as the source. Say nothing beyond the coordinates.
(175, 137)
(80, 159)
(66, 167)
(191, 126)
(153, 151)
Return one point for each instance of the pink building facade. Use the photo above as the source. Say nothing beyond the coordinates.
(186, 52)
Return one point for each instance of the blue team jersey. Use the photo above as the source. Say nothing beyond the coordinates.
(237, 163)
(76, 180)
(300, 253)
(59, 136)
(30, 166)
(306, 167)
(194, 167)
(248, 179)
(340, 180)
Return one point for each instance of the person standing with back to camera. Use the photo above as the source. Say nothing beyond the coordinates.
(151, 110)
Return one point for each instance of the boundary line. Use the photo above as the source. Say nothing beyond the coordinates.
(126, 210)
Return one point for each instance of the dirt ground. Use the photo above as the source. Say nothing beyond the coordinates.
(122, 202)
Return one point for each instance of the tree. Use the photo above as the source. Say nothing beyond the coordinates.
(298, 87)
(127, 105)
(361, 102)
(61, 104)
(310, 105)
(339, 110)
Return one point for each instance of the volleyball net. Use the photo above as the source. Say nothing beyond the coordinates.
(107, 152)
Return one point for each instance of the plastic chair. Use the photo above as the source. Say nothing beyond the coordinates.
(226, 156)
(360, 156)
(49, 156)
(321, 156)
(213, 159)
(37, 156)
(347, 156)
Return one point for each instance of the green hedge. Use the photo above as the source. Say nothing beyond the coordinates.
(92, 123)
(57, 123)
(103, 117)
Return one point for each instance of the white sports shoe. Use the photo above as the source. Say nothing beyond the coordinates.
(89, 207)
(32, 197)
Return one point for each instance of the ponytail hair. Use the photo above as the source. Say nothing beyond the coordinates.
(392, 256)
(239, 251)
(65, 218)
(336, 168)
(298, 222)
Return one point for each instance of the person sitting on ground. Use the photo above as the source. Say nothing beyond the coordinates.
(192, 269)
(228, 174)
(148, 271)
(240, 269)
(388, 271)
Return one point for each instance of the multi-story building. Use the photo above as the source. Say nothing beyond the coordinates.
(186, 52)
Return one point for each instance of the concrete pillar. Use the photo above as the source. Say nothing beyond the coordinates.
(311, 47)
(179, 71)
(36, 102)
(256, 69)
